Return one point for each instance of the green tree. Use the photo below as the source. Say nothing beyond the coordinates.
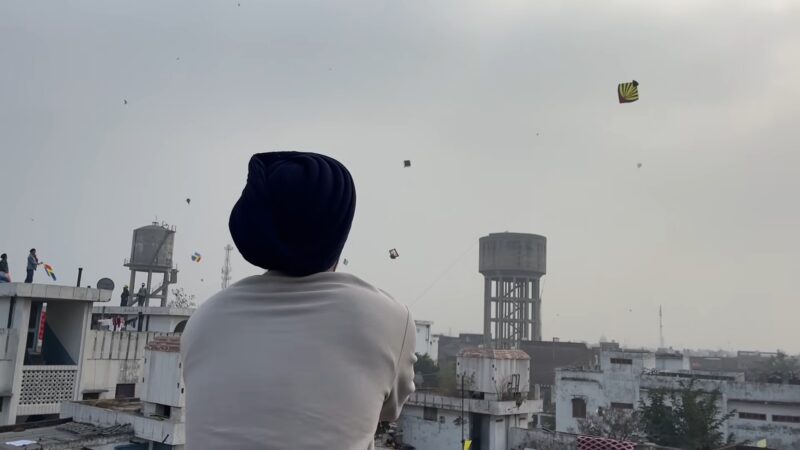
(687, 418)
(612, 423)
(425, 364)
(182, 299)
(780, 368)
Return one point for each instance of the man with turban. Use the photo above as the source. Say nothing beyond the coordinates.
(300, 357)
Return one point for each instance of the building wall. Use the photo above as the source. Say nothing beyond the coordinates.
(114, 357)
(163, 379)
(69, 320)
(672, 362)
(587, 386)
(491, 376)
(441, 434)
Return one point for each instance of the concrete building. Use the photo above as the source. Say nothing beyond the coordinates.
(159, 417)
(625, 377)
(41, 355)
(427, 342)
(154, 422)
(494, 401)
(114, 361)
(512, 265)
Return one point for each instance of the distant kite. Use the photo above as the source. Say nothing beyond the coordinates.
(345, 262)
(628, 92)
(50, 272)
(124, 102)
(407, 163)
(639, 165)
(196, 257)
(188, 201)
(393, 253)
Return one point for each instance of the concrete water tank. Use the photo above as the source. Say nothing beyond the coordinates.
(152, 246)
(513, 253)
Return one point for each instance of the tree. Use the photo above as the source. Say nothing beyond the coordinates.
(687, 418)
(426, 367)
(182, 299)
(612, 423)
(779, 368)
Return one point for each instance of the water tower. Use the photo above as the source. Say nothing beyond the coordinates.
(512, 265)
(151, 253)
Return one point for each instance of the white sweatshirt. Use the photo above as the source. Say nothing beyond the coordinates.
(277, 362)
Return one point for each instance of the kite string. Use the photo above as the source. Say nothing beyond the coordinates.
(443, 274)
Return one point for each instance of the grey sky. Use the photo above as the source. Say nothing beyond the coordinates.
(708, 226)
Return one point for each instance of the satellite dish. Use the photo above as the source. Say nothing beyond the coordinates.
(106, 284)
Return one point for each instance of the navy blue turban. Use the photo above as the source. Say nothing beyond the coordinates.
(295, 212)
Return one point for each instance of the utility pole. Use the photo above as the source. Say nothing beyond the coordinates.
(462, 408)
(226, 267)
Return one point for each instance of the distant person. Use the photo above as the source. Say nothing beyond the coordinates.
(123, 298)
(328, 355)
(5, 275)
(141, 295)
(33, 263)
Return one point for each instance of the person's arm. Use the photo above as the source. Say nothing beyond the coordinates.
(404, 378)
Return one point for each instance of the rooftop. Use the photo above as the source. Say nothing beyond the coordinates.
(53, 292)
(145, 310)
(63, 434)
(492, 353)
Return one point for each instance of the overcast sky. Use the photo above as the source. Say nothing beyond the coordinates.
(507, 110)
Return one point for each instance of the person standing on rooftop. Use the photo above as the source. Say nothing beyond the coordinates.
(5, 276)
(300, 357)
(33, 263)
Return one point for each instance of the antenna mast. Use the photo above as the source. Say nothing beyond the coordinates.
(226, 267)
(660, 328)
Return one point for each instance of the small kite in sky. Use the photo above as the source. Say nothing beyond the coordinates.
(188, 201)
(393, 253)
(639, 165)
(628, 92)
(196, 257)
(50, 272)
(345, 262)
(124, 102)
(407, 163)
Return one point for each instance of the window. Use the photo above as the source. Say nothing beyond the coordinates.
(752, 416)
(626, 361)
(621, 405)
(430, 413)
(91, 396)
(579, 408)
(125, 391)
(163, 410)
(788, 419)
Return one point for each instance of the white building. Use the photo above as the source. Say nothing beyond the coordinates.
(154, 422)
(114, 360)
(159, 418)
(496, 383)
(427, 342)
(41, 355)
(623, 378)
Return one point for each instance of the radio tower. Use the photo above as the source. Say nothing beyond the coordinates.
(226, 268)
(660, 328)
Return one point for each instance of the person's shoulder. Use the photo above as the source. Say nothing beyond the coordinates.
(368, 293)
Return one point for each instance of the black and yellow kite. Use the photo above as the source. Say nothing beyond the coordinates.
(628, 92)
